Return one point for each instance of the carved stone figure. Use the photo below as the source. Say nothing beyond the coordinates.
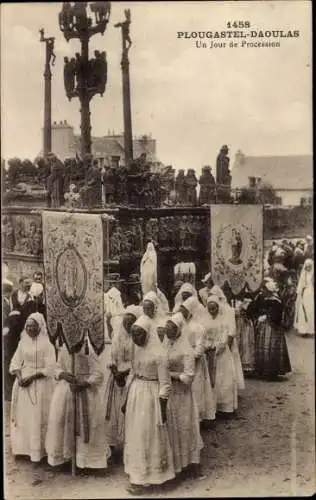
(101, 10)
(180, 186)
(91, 193)
(115, 243)
(37, 247)
(125, 26)
(79, 12)
(152, 230)
(69, 76)
(66, 17)
(163, 233)
(8, 239)
(127, 243)
(98, 72)
(51, 54)
(222, 166)
(173, 232)
(138, 236)
(183, 231)
(109, 180)
(55, 182)
(191, 183)
(207, 186)
(121, 192)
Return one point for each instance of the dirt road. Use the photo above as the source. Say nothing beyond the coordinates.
(267, 451)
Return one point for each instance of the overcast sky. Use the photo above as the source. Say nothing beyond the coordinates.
(191, 100)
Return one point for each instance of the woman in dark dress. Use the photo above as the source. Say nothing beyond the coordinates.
(271, 354)
(287, 283)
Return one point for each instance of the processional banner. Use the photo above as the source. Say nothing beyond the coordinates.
(237, 246)
(73, 264)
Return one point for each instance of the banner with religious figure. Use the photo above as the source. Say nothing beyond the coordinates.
(237, 246)
(73, 263)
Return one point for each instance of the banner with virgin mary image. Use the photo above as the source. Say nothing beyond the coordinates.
(237, 246)
(73, 264)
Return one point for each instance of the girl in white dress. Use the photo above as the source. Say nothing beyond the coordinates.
(92, 450)
(217, 336)
(187, 290)
(32, 364)
(231, 321)
(147, 451)
(154, 311)
(195, 333)
(304, 307)
(182, 410)
(120, 365)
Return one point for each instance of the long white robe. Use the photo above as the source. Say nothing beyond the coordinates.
(305, 306)
(30, 405)
(60, 433)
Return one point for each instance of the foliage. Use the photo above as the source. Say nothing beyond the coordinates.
(265, 193)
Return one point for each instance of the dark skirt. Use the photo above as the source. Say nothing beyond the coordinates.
(271, 353)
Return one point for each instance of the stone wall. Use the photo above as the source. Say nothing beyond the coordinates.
(179, 233)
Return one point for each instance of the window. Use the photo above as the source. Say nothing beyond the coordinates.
(278, 200)
(252, 181)
(310, 200)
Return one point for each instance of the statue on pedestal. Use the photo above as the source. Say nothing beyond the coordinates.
(191, 184)
(223, 175)
(55, 182)
(207, 186)
(180, 187)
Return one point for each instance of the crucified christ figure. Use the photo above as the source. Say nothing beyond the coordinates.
(125, 25)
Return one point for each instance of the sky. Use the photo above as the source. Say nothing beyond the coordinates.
(191, 100)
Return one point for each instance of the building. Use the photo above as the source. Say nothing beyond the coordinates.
(63, 140)
(290, 176)
(109, 148)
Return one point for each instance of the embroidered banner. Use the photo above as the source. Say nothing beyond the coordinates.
(73, 264)
(237, 246)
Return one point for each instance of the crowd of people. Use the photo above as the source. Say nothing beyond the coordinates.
(169, 372)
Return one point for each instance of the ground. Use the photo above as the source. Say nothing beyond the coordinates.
(267, 451)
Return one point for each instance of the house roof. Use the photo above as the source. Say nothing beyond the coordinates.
(283, 172)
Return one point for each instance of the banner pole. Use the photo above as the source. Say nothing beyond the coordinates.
(74, 401)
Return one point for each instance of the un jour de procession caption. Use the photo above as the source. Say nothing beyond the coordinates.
(239, 34)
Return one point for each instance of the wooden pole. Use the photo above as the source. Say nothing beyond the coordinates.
(74, 401)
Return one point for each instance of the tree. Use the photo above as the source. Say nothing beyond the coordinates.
(14, 171)
(260, 193)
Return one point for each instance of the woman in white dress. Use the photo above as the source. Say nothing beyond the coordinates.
(182, 410)
(217, 336)
(147, 451)
(304, 307)
(120, 365)
(92, 450)
(33, 365)
(195, 333)
(233, 344)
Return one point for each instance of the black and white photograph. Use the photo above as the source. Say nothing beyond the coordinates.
(158, 327)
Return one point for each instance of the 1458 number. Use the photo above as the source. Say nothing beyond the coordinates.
(238, 24)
